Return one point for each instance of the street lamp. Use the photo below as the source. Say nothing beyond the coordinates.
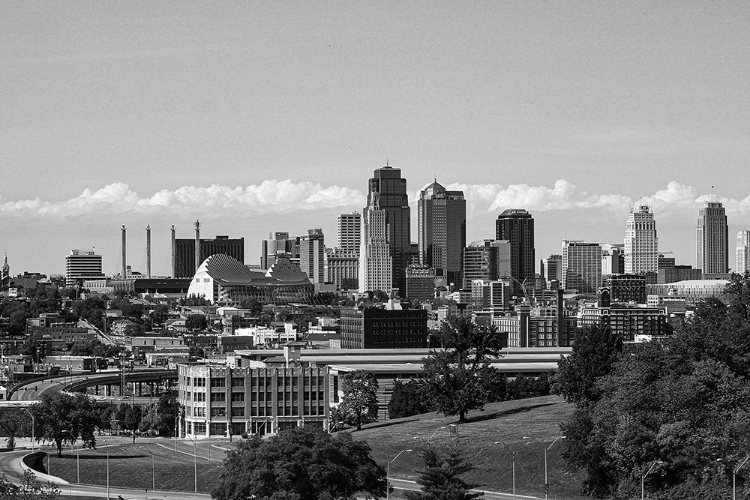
(643, 478)
(734, 478)
(433, 435)
(107, 450)
(546, 481)
(153, 470)
(388, 475)
(195, 461)
(33, 425)
(513, 462)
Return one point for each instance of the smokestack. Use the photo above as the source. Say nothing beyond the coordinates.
(197, 244)
(148, 251)
(124, 258)
(174, 250)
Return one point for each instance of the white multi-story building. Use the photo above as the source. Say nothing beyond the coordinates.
(641, 243)
(82, 265)
(312, 251)
(376, 263)
(582, 266)
(349, 229)
(742, 257)
(712, 235)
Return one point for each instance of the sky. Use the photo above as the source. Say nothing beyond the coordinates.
(271, 116)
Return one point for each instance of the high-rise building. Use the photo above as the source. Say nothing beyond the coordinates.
(551, 268)
(184, 253)
(375, 261)
(312, 252)
(387, 193)
(517, 226)
(342, 268)
(349, 226)
(275, 245)
(442, 231)
(613, 258)
(486, 260)
(742, 257)
(641, 243)
(712, 239)
(420, 282)
(582, 266)
(82, 265)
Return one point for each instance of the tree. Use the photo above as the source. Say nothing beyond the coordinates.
(360, 402)
(63, 418)
(130, 417)
(304, 463)
(459, 377)
(407, 399)
(196, 322)
(440, 478)
(595, 350)
(14, 423)
(29, 489)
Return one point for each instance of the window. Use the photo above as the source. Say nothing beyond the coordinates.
(218, 397)
(199, 382)
(188, 381)
(199, 396)
(238, 412)
(199, 428)
(218, 412)
(218, 382)
(238, 382)
(238, 396)
(199, 411)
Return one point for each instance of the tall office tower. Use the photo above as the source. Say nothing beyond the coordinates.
(375, 261)
(582, 266)
(486, 260)
(442, 231)
(517, 226)
(349, 232)
(613, 258)
(82, 265)
(742, 258)
(641, 243)
(312, 252)
(387, 192)
(551, 268)
(185, 254)
(712, 242)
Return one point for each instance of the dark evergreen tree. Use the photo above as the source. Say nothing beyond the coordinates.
(440, 478)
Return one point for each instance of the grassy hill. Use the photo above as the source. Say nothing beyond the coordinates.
(527, 426)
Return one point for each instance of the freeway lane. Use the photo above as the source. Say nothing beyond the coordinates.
(403, 484)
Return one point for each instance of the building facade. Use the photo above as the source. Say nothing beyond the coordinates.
(626, 287)
(374, 328)
(517, 227)
(582, 266)
(312, 251)
(641, 243)
(742, 254)
(349, 232)
(184, 253)
(486, 260)
(420, 283)
(712, 239)
(82, 265)
(551, 268)
(342, 268)
(442, 231)
(375, 260)
(387, 192)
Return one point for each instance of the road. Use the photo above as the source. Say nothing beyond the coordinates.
(403, 484)
(10, 465)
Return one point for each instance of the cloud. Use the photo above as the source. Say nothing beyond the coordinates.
(287, 197)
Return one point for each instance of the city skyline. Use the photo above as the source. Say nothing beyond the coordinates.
(261, 118)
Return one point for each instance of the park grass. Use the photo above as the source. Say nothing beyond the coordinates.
(130, 467)
(526, 426)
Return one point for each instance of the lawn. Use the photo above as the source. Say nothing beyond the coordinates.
(525, 426)
(130, 466)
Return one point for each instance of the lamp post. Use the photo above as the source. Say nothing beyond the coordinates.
(643, 478)
(153, 469)
(107, 450)
(734, 478)
(433, 435)
(78, 464)
(388, 474)
(195, 461)
(546, 481)
(33, 425)
(513, 465)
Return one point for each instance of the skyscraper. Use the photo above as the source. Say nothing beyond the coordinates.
(486, 260)
(349, 226)
(82, 265)
(375, 261)
(442, 231)
(517, 226)
(712, 239)
(582, 266)
(742, 257)
(387, 193)
(312, 252)
(551, 268)
(641, 243)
